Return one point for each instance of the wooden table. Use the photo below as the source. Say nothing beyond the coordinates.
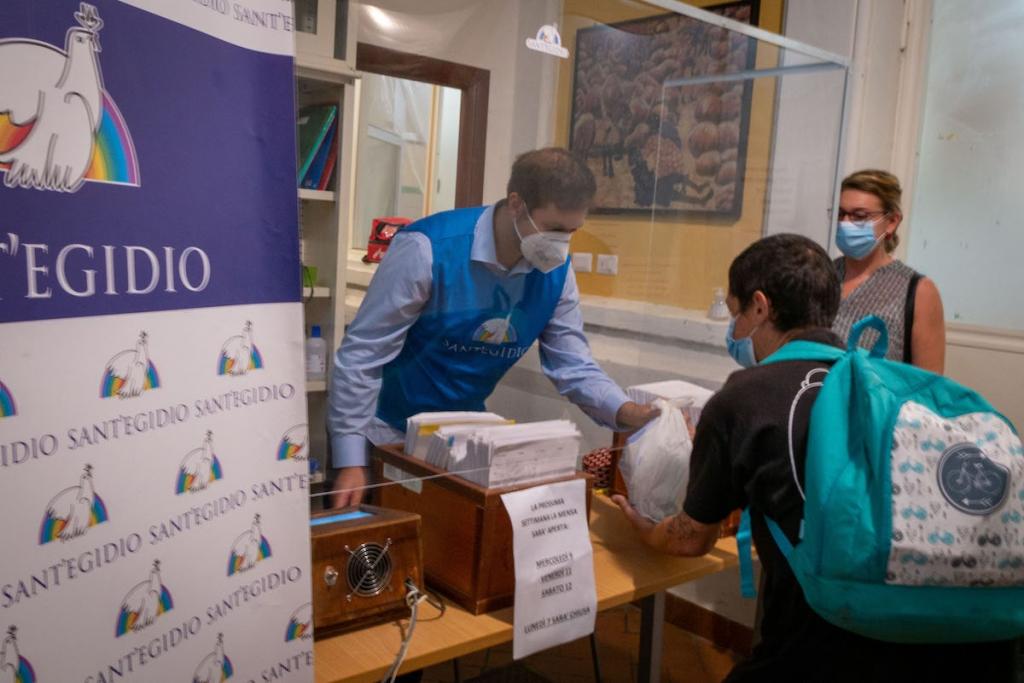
(624, 570)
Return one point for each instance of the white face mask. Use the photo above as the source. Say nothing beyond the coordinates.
(545, 251)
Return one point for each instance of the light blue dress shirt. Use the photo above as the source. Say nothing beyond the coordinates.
(399, 289)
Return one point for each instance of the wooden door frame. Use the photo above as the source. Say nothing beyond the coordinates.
(474, 84)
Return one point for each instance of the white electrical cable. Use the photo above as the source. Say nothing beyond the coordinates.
(413, 598)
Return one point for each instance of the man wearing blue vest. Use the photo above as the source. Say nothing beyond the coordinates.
(461, 296)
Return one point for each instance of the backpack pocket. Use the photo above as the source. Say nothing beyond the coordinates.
(957, 500)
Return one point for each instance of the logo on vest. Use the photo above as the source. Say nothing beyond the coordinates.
(970, 481)
(496, 331)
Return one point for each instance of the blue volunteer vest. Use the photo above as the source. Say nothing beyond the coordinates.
(473, 328)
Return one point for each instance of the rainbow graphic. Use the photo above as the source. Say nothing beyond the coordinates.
(227, 670)
(287, 450)
(295, 630)
(126, 619)
(52, 526)
(7, 407)
(113, 153)
(112, 383)
(292, 444)
(186, 481)
(25, 674)
(226, 364)
(236, 563)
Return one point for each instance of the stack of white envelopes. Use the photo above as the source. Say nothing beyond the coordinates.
(510, 455)
(420, 428)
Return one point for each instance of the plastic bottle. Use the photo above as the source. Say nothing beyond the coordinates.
(316, 355)
(719, 310)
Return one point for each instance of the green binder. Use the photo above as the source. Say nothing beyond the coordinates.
(314, 122)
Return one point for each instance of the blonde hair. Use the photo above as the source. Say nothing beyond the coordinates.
(886, 187)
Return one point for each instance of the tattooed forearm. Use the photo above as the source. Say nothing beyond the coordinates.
(684, 536)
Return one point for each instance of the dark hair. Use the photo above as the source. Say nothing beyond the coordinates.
(552, 175)
(796, 275)
(883, 185)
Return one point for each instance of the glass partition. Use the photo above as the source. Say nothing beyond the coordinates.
(704, 128)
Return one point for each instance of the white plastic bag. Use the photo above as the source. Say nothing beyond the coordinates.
(656, 463)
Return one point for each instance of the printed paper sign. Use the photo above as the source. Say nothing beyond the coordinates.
(556, 601)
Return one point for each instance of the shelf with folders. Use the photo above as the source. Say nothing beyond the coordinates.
(326, 91)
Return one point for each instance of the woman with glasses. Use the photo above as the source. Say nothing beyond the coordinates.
(875, 283)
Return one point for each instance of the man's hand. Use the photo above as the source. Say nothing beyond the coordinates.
(634, 416)
(348, 486)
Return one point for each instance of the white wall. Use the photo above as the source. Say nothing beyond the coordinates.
(966, 232)
(487, 34)
(888, 129)
(807, 122)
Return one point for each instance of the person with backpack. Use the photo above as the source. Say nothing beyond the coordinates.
(749, 452)
(875, 283)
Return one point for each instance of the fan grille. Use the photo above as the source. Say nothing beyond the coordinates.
(369, 569)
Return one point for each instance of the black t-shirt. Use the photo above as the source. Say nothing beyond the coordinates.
(741, 458)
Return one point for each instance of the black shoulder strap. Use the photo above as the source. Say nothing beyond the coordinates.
(908, 317)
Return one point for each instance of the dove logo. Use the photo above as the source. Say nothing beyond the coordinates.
(216, 666)
(239, 354)
(130, 372)
(7, 407)
(58, 125)
(199, 469)
(294, 444)
(144, 604)
(14, 667)
(300, 624)
(549, 41)
(73, 511)
(249, 549)
(496, 331)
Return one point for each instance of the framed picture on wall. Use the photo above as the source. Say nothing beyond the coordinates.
(654, 145)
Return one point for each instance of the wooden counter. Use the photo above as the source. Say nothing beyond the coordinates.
(624, 570)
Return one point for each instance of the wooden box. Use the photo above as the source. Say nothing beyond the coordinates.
(362, 557)
(467, 535)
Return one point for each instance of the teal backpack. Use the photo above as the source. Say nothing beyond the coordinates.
(913, 526)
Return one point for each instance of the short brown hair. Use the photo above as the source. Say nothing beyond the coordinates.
(883, 185)
(552, 175)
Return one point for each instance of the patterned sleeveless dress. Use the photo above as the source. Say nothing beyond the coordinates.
(883, 294)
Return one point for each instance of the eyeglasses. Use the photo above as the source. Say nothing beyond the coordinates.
(857, 215)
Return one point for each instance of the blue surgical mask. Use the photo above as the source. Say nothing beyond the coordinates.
(857, 240)
(741, 350)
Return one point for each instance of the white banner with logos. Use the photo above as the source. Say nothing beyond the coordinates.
(153, 446)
